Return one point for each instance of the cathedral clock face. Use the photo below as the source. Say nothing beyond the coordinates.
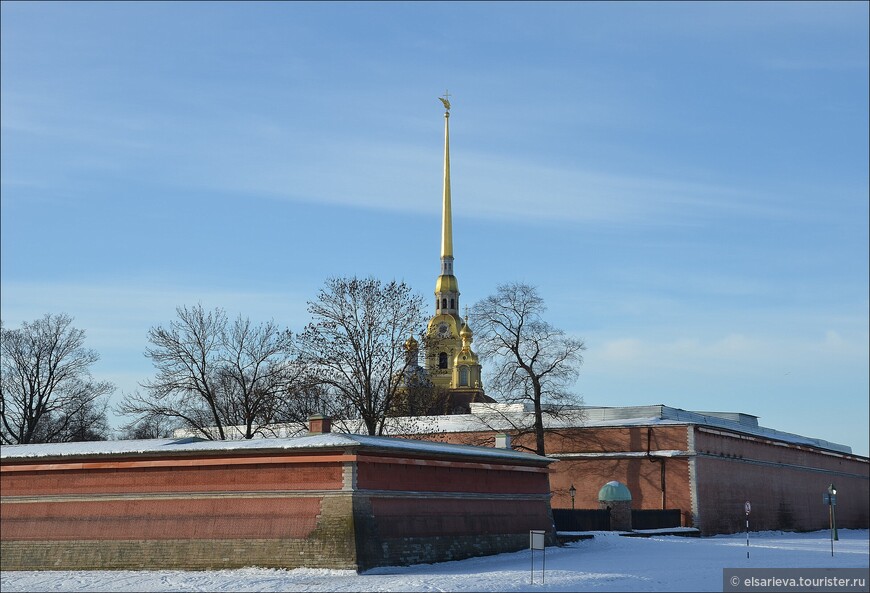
(443, 330)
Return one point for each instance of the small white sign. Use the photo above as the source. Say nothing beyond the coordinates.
(536, 542)
(748, 507)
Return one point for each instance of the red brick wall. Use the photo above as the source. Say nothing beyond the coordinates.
(727, 445)
(784, 483)
(118, 509)
(253, 477)
(427, 517)
(206, 512)
(332, 544)
(611, 440)
(161, 519)
(457, 477)
(649, 487)
(642, 476)
(784, 486)
(588, 474)
(588, 440)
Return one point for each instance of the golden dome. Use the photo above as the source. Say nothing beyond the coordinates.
(465, 332)
(446, 283)
(465, 357)
(411, 344)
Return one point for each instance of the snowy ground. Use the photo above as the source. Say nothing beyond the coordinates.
(606, 563)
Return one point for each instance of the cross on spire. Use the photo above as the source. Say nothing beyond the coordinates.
(445, 100)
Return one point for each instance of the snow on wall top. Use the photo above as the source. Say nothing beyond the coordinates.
(484, 417)
(503, 417)
(318, 441)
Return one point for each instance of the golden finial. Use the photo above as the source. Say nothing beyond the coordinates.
(445, 100)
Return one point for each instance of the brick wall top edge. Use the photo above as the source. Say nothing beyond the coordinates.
(335, 444)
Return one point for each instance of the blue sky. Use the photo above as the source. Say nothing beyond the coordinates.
(686, 184)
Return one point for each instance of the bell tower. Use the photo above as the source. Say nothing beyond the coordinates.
(447, 287)
(444, 326)
(450, 362)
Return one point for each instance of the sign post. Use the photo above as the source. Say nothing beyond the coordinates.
(748, 508)
(537, 541)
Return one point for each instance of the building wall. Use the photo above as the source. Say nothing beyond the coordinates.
(708, 474)
(396, 473)
(420, 509)
(335, 510)
(783, 484)
(651, 461)
(176, 513)
(176, 517)
(330, 545)
(156, 475)
(637, 439)
(426, 529)
(617, 453)
(642, 476)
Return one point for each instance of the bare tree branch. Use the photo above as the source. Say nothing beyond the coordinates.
(46, 390)
(356, 343)
(218, 379)
(530, 360)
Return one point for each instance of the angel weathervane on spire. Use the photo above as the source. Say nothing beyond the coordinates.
(445, 100)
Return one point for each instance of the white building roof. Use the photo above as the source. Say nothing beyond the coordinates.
(188, 445)
(484, 417)
(504, 417)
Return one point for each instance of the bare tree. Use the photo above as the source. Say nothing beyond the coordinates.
(218, 379)
(148, 427)
(87, 423)
(356, 340)
(46, 390)
(417, 397)
(533, 361)
(307, 397)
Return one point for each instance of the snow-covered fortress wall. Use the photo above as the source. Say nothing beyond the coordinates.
(323, 500)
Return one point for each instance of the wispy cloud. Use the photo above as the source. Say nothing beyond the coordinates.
(279, 156)
(743, 353)
(119, 314)
(815, 63)
(406, 178)
(116, 316)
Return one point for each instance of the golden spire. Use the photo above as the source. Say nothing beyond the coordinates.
(446, 217)
(446, 287)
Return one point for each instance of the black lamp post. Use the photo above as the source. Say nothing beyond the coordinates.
(832, 494)
(572, 491)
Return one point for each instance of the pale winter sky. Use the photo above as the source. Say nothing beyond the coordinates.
(685, 183)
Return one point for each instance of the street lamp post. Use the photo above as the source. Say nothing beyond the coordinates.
(832, 517)
(572, 491)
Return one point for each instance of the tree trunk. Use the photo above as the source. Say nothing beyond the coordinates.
(539, 419)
